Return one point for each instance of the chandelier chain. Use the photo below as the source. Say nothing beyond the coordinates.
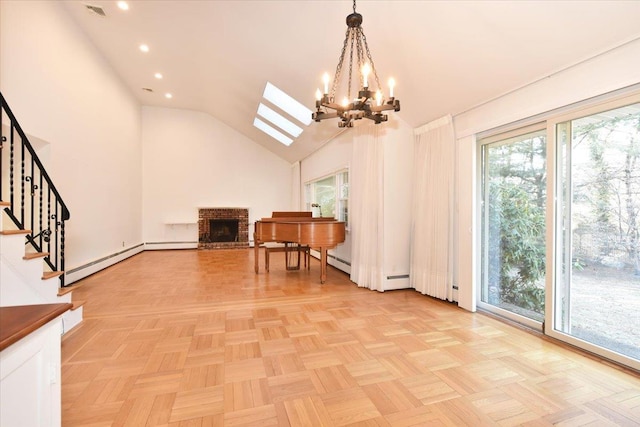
(353, 38)
(338, 73)
(354, 6)
(373, 67)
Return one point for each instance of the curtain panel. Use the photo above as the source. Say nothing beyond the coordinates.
(366, 208)
(431, 264)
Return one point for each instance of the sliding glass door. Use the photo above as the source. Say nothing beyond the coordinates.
(597, 230)
(513, 224)
(559, 220)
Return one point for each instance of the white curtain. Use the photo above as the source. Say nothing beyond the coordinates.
(431, 268)
(295, 187)
(366, 208)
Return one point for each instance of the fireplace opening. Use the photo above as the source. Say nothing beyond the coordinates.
(222, 230)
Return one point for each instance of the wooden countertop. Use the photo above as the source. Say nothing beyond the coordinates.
(19, 321)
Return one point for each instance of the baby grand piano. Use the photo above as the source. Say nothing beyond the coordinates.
(301, 228)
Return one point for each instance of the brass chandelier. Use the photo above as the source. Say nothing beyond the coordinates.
(370, 103)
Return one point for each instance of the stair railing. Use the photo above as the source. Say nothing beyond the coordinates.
(35, 203)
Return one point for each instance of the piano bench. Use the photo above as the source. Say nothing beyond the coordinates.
(280, 247)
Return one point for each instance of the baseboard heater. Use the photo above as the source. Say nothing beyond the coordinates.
(399, 276)
(103, 259)
(345, 262)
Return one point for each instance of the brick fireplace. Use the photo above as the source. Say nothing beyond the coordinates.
(223, 228)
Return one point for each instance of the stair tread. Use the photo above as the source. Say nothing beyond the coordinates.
(77, 304)
(65, 290)
(10, 232)
(33, 255)
(4, 203)
(51, 274)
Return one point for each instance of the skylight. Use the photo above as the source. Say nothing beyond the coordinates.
(272, 132)
(274, 119)
(287, 104)
(279, 120)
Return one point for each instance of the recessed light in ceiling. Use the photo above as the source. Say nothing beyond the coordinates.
(272, 132)
(168, 95)
(158, 76)
(144, 48)
(123, 5)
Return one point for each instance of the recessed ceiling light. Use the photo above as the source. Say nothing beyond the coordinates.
(123, 5)
(168, 95)
(144, 48)
(158, 75)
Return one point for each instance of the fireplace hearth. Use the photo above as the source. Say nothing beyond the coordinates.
(223, 228)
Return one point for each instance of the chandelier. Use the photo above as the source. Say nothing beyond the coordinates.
(369, 103)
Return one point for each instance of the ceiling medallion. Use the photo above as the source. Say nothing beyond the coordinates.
(369, 103)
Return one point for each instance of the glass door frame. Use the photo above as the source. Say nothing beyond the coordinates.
(555, 214)
(502, 137)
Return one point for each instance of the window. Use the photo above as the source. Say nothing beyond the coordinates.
(329, 196)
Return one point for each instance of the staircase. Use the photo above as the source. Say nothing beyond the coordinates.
(32, 226)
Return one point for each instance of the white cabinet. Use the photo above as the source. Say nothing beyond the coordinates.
(30, 392)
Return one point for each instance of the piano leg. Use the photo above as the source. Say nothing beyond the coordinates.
(323, 264)
(256, 253)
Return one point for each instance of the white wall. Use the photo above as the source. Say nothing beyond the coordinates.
(63, 92)
(398, 169)
(192, 160)
(604, 73)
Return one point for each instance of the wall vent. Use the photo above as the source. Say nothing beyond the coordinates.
(95, 9)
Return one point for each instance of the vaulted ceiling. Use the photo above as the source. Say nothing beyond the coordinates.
(446, 56)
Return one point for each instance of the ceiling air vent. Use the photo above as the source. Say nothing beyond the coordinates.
(95, 9)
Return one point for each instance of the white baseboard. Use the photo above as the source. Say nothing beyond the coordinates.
(333, 261)
(77, 273)
(159, 246)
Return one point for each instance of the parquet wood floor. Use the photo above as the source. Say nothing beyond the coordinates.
(195, 338)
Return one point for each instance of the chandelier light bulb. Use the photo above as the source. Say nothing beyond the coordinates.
(325, 79)
(366, 69)
(392, 84)
(318, 95)
(379, 97)
(345, 101)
